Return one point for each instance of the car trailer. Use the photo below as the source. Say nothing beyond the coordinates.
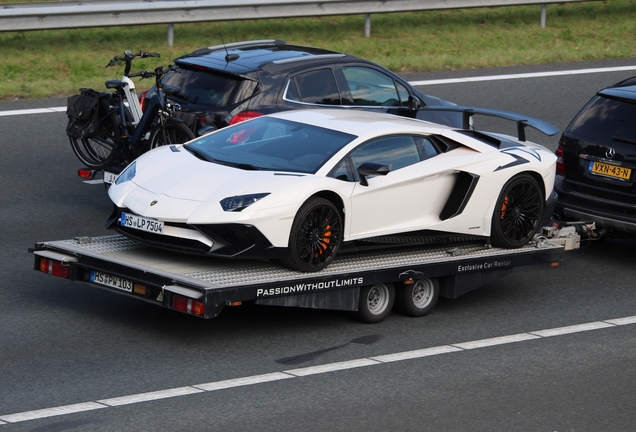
(368, 283)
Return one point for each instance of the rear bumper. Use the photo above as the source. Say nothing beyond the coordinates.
(605, 213)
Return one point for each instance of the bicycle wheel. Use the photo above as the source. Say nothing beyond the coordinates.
(99, 151)
(170, 133)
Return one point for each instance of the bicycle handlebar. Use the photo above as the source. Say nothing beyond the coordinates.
(157, 73)
(128, 58)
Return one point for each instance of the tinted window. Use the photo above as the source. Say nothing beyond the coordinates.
(605, 118)
(203, 88)
(315, 87)
(342, 171)
(372, 88)
(426, 148)
(396, 152)
(271, 144)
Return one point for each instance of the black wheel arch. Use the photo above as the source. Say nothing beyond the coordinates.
(335, 199)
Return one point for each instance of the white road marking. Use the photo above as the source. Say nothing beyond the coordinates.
(52, 412)
(238, 382)
(572, 329)
(312, 370)
(408, 355)
(150, 396)
(32, 111)
(415, 83)
(522, 76)
(496, 341)
(332, 367)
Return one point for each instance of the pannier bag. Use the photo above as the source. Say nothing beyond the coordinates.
(83, 114)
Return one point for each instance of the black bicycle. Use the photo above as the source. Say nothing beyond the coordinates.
(107, 129)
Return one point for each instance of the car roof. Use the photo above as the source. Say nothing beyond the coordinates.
(365, 124)
(241, 58)
(625, 89)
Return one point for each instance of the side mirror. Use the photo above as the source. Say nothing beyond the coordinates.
(415, 103)
(371, 169)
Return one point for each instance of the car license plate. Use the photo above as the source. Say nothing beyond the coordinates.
(110, 177)
(141, 223)
(111, 281)
(609, 170)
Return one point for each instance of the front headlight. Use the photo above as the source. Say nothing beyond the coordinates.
(238, 203)
(127, 174)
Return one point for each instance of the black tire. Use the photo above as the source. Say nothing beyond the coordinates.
(315, 237)
(417, 299)
(171, 133)
(99, 151)
(376, 302)
(518, 212)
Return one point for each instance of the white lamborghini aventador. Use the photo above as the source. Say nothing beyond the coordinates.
(300, 186)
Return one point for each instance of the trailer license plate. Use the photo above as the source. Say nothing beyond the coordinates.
(609, 170)
(141, 223)
(111, 281)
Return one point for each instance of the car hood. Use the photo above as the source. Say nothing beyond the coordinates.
(175, 185)
(181, 175)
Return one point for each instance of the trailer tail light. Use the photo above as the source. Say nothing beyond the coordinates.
(54, 268)
(188, 305)
(560, 168)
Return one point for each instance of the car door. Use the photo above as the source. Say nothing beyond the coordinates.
(403, 200)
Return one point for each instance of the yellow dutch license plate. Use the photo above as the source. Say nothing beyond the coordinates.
(609, 170)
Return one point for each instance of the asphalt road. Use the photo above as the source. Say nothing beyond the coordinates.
(63, 344)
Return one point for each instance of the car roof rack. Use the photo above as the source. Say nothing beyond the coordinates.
(238, 45)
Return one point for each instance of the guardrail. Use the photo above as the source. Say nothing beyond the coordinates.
(66, 15)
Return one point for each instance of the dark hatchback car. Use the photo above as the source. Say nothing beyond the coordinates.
(237, 81)
(596, 170)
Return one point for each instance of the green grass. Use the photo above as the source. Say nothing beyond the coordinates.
(50, 63)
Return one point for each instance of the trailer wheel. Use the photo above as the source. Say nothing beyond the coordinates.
(417, 299)
(376, 302)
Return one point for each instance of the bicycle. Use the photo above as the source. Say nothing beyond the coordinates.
(123, 131)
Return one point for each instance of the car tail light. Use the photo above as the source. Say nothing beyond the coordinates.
(245, 115)
(560, 168)
(188, 305)
(86, 173)
(142, 100)
(54, 268)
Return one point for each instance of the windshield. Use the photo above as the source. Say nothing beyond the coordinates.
(271, 144)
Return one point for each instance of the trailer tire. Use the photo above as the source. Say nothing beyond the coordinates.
(417, 299)
(376, 302)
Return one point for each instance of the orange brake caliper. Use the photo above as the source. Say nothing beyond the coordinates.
(504, 207)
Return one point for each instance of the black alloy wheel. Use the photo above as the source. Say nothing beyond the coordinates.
(518, 212)
(315, 237)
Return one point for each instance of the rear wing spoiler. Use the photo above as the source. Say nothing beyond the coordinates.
(468, 111)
